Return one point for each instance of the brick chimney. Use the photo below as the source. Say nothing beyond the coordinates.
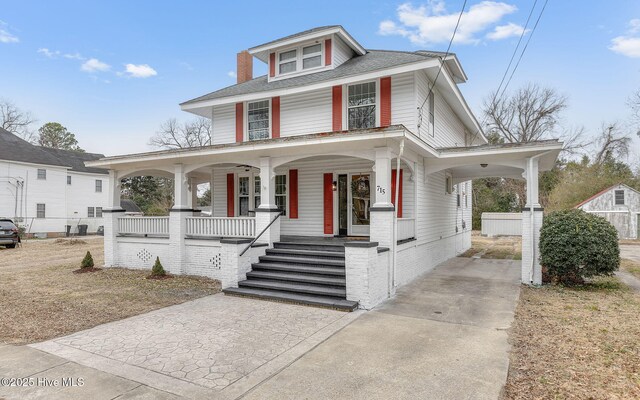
(245, 66)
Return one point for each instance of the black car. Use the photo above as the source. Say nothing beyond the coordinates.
(9, 235)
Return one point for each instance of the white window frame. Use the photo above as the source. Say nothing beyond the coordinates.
(300, 57)
(615, 197)
(44, 211)
(448, 184)
(246, 119)
(98, 212)
(96, 186)
(249, 195)
(91, 212)
(345, 102)
(286, 192)
(68, 179)
(44, 174)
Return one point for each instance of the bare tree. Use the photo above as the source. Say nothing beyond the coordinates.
(175, 135)
(531, 113)
(17, 121)
(634, 104)
(611, 143)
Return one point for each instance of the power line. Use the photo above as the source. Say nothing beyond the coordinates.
(446, 54)
(524, 31)
(525, 47)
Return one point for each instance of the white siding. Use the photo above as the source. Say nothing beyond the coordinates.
(623, 217)
(81, 195)
(403, 101)
(224, 124)
(341, 52)
(449, 130)
(305, 113)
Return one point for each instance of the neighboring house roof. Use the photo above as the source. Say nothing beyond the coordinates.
(130, 206)
(13, 148)
(372, 61)
(76, 160)
(600, 193)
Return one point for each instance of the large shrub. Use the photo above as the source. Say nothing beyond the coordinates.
(575, 245)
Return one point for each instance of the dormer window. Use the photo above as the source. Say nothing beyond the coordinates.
(299, 59)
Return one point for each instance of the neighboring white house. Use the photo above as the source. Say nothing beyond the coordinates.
(618, 204)
(46, 189)
(320, 139)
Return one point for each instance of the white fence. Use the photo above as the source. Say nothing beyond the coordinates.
(406, 228)
(502, 224)
(143, 226)
(221, 227)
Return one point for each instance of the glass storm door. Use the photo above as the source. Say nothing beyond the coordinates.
(360, 196)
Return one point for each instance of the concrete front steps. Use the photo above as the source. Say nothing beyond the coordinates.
(303, 273)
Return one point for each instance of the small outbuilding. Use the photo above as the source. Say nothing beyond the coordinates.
(620, 205)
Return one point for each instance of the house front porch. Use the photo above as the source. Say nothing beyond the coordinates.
(313, 216)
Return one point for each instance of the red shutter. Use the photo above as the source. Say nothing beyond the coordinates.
(385, 101)
(293, 193)
(275, 117)
(239, 122)
(327, 52)
(230, 195)
(337, 108)
(272, 65)
(393, 191)
(328, 204)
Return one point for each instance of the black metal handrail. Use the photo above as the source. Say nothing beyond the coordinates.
(263, 231)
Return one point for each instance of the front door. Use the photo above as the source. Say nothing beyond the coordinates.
(343, 205)
(360, 201)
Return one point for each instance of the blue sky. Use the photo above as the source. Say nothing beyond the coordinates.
(111, 72)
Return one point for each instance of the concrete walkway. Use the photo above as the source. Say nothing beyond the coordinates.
(443, 337)
(632, 252)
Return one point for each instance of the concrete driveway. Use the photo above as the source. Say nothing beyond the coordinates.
(443, 337)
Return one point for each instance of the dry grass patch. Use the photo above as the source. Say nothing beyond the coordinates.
(630, 266)
(40, 297)
(635, 242)
(576, 343)
(502, 247)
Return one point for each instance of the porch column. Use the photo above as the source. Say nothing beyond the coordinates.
(193, 188)
(532, 215)
(381, 223)
(267, 210)
(178, 220)
(211, 179)
(110, 219)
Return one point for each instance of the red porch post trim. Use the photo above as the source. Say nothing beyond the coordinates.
(272, 65)
(293, 190)
(393, 191)
(328, 203)
(275, 117)
(336, 108)
(327, 52)
(231, 195)
(385, 101)
(239, 122)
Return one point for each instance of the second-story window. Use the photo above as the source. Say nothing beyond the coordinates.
(98, 186)
(311, 56)
(362, 106)
(258, 120)
(288, 61)
(619, 197)
(68, 179)
(42, 174)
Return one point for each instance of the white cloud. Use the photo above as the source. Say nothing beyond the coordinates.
(5, 35)
(94, 65)
(139, 71)
(48, 53)
(74, 56)
(628, 45)
(232, 74)
(506, 31)
(432, 24)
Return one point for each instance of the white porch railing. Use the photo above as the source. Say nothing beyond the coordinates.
(406, 228)
(143, 225)
(221, 227)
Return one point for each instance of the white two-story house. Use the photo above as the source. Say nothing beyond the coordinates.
(45, 190)
(336, 177)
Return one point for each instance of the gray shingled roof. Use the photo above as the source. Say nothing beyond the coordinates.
(130, 206)
(372, 61)
(13, 148)
(76, 159)
(295, 35)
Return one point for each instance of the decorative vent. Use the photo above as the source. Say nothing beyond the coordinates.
(216, 261)
(144, 255)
